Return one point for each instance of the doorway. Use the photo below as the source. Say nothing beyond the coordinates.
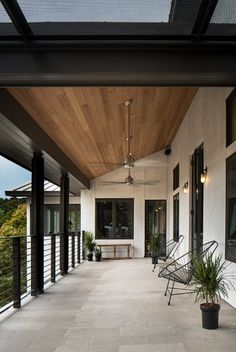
(197, 163)
(155, 220)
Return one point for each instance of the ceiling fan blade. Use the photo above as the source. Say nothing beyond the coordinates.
(112, 183)
(148, 183)
(105, 164)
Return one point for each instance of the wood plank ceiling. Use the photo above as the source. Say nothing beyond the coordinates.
(90, 124)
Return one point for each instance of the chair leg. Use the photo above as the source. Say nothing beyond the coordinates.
(155, 263)
(172, 288)
(167, 286)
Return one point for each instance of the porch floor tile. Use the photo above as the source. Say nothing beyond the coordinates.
(114, 306)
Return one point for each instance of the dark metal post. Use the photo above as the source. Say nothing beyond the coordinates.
(64, 222)
(78, 248)
(16, 273)
(83, 238)
(53, 257)
(73, 249)
(37, 224)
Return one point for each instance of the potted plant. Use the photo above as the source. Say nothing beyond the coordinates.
(90, 244)
(210, 284)
(98, 254)
(153, 246)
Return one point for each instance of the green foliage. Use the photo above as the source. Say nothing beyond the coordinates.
(154, 244)
(90, 244)
(15, 225)
(209, 279)
(7, 207)
(98, 251)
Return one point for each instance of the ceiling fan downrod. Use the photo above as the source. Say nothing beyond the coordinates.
(129, 160)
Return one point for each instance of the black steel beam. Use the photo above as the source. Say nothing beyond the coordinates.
(64, 223)
(117, 64)
(184, 11)
(37, 224)
(18, 19)
(204, 16)
(15, 113)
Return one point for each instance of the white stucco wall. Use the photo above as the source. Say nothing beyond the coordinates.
(154, 168)
(205, 122)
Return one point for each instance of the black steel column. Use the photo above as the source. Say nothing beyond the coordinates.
(64, 222)
(37, 224)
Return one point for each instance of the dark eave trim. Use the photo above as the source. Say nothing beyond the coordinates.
(118, 63)
(15, 113)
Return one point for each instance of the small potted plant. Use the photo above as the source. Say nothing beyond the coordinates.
(98, 254)
(153, 246)
(90, 244)
(210, 284)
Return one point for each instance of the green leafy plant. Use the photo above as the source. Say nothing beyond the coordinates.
(98, 251)
(154, 244)
(90, 244)
(209, 281)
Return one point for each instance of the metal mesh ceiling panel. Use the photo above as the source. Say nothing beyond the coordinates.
(143, 11)
(4, 18)
(6, 26)
(225, 12)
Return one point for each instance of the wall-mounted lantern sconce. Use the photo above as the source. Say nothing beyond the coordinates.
(185, 187)
(204, 175)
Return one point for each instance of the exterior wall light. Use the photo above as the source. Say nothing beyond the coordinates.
(185, 187)
(204, 175)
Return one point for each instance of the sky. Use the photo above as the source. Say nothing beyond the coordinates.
(11, 176)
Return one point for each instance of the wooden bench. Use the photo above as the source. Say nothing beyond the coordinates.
(127, 245)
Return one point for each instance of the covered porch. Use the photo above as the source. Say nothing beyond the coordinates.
(115, 306)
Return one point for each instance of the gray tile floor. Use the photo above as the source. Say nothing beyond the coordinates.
(114, 306)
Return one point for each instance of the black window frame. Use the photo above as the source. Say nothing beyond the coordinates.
(227, 213)
(176, 177)
(176, 217)
(229, 118)
(56, 207)
(114, 200)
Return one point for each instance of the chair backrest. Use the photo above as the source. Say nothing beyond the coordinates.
(171, 247)
(208, 246)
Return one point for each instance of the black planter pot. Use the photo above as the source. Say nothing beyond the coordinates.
(98, 257)
(210, 316)
(90, 257)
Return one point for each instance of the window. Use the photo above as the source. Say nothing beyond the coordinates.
(176, 177)
(231, 118)
(52, 218)
(176, 217)
(114, 218)
(230, 242)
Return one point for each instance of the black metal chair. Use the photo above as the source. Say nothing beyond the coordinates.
(181, 270)
(167, 251)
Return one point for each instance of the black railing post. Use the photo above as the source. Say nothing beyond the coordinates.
(78, 248)
(83, 237)
(16, 272)
(64, 223)
(53, 257)
(73, 249)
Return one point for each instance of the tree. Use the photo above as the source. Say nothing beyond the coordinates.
(14, 226)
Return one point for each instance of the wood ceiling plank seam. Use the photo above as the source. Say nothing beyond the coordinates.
(176, 119)
(77, 103)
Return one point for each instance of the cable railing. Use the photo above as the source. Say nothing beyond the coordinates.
(17, 264)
